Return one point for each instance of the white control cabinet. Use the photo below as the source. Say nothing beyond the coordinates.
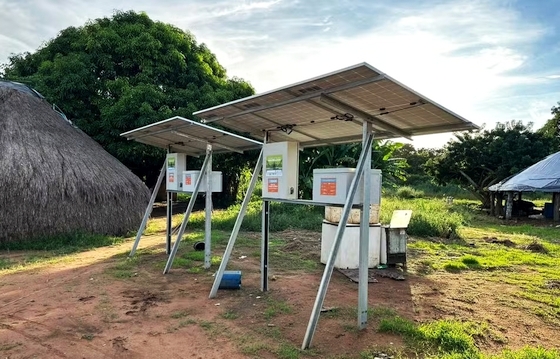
(280, 170)
(348, 256)
(190, 178)
(176, 164)
(332, 185)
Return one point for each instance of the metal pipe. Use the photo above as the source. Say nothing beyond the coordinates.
(312, 325)
(169, 222)
(186, 218)
(265, 234)
(363, 273)
(149, 209)
(208, 211)
(236, 227)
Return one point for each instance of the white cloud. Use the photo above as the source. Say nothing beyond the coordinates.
(468, 55)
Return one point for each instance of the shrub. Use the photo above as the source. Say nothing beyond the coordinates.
(407, 192)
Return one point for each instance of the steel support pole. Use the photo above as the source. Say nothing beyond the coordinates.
(265, 235)
(186, 217)
(208, 211)
(265, 245)
(364, 234)
(321, 293)
(169, 222)
(236, 227)
(148, 209)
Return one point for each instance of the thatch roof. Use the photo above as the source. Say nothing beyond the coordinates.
(54, 179)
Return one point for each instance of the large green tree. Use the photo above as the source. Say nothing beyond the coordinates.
(481, 158)
(551, 128)
(416, 159)
(116, 74)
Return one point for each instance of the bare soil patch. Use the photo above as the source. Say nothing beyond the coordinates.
(80, 309)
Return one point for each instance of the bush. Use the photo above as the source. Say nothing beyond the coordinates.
(430, 217)
(407, 192)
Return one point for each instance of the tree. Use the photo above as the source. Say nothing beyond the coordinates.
(416, 160)
(479, 159)
(551, 128)
(347, 155)
(116, 74)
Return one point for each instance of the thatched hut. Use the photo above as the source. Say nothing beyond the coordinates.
(54, 179)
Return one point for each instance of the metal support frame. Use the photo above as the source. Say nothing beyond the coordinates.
(208, 211)
(169, 222)
(364, 233)
(341, 105)
(265, 235)
(187, 213)
(321, 293)
(149, 208)
(236, 227)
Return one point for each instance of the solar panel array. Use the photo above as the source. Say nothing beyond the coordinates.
(330, 109)
(182, 135)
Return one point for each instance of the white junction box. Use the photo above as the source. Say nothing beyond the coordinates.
(190, 178)
(176, 164)
(348, 256)
(332, 185)
(280, 170)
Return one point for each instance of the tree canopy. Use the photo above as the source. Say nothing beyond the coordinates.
(116, 74)
(552, 127)
(479, 159)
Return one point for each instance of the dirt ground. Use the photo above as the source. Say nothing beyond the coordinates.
(78, 308)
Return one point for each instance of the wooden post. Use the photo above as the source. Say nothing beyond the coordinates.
(499, 204)
(555, 206)
(492, 203)
(509, 205)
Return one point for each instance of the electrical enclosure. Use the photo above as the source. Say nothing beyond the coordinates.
(280, 170)
(332, 185)
(176, 164)
(190, 178)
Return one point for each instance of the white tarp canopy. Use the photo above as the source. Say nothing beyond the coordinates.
(543, 176)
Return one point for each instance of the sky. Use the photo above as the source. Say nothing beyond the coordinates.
(486, 60)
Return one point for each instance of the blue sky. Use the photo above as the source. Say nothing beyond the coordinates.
(487, 60)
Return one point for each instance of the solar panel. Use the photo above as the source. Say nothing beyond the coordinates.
(178, 134)
(330, 109)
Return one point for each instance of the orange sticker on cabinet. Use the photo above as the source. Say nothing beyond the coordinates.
(188, 180)
(328, 186)
(171, 177)
(273, 185)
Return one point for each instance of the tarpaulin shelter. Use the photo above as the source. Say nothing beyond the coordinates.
(543, 176)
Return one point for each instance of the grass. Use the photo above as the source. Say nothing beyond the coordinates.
(431, 217)
(275, 307)
(408, 192)
(9, 346)
(180, 314)
(105, 309)
(230, 315)
(63, 243)
(5, 263)
(441, 338)
(125, 268)
(288, 351)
